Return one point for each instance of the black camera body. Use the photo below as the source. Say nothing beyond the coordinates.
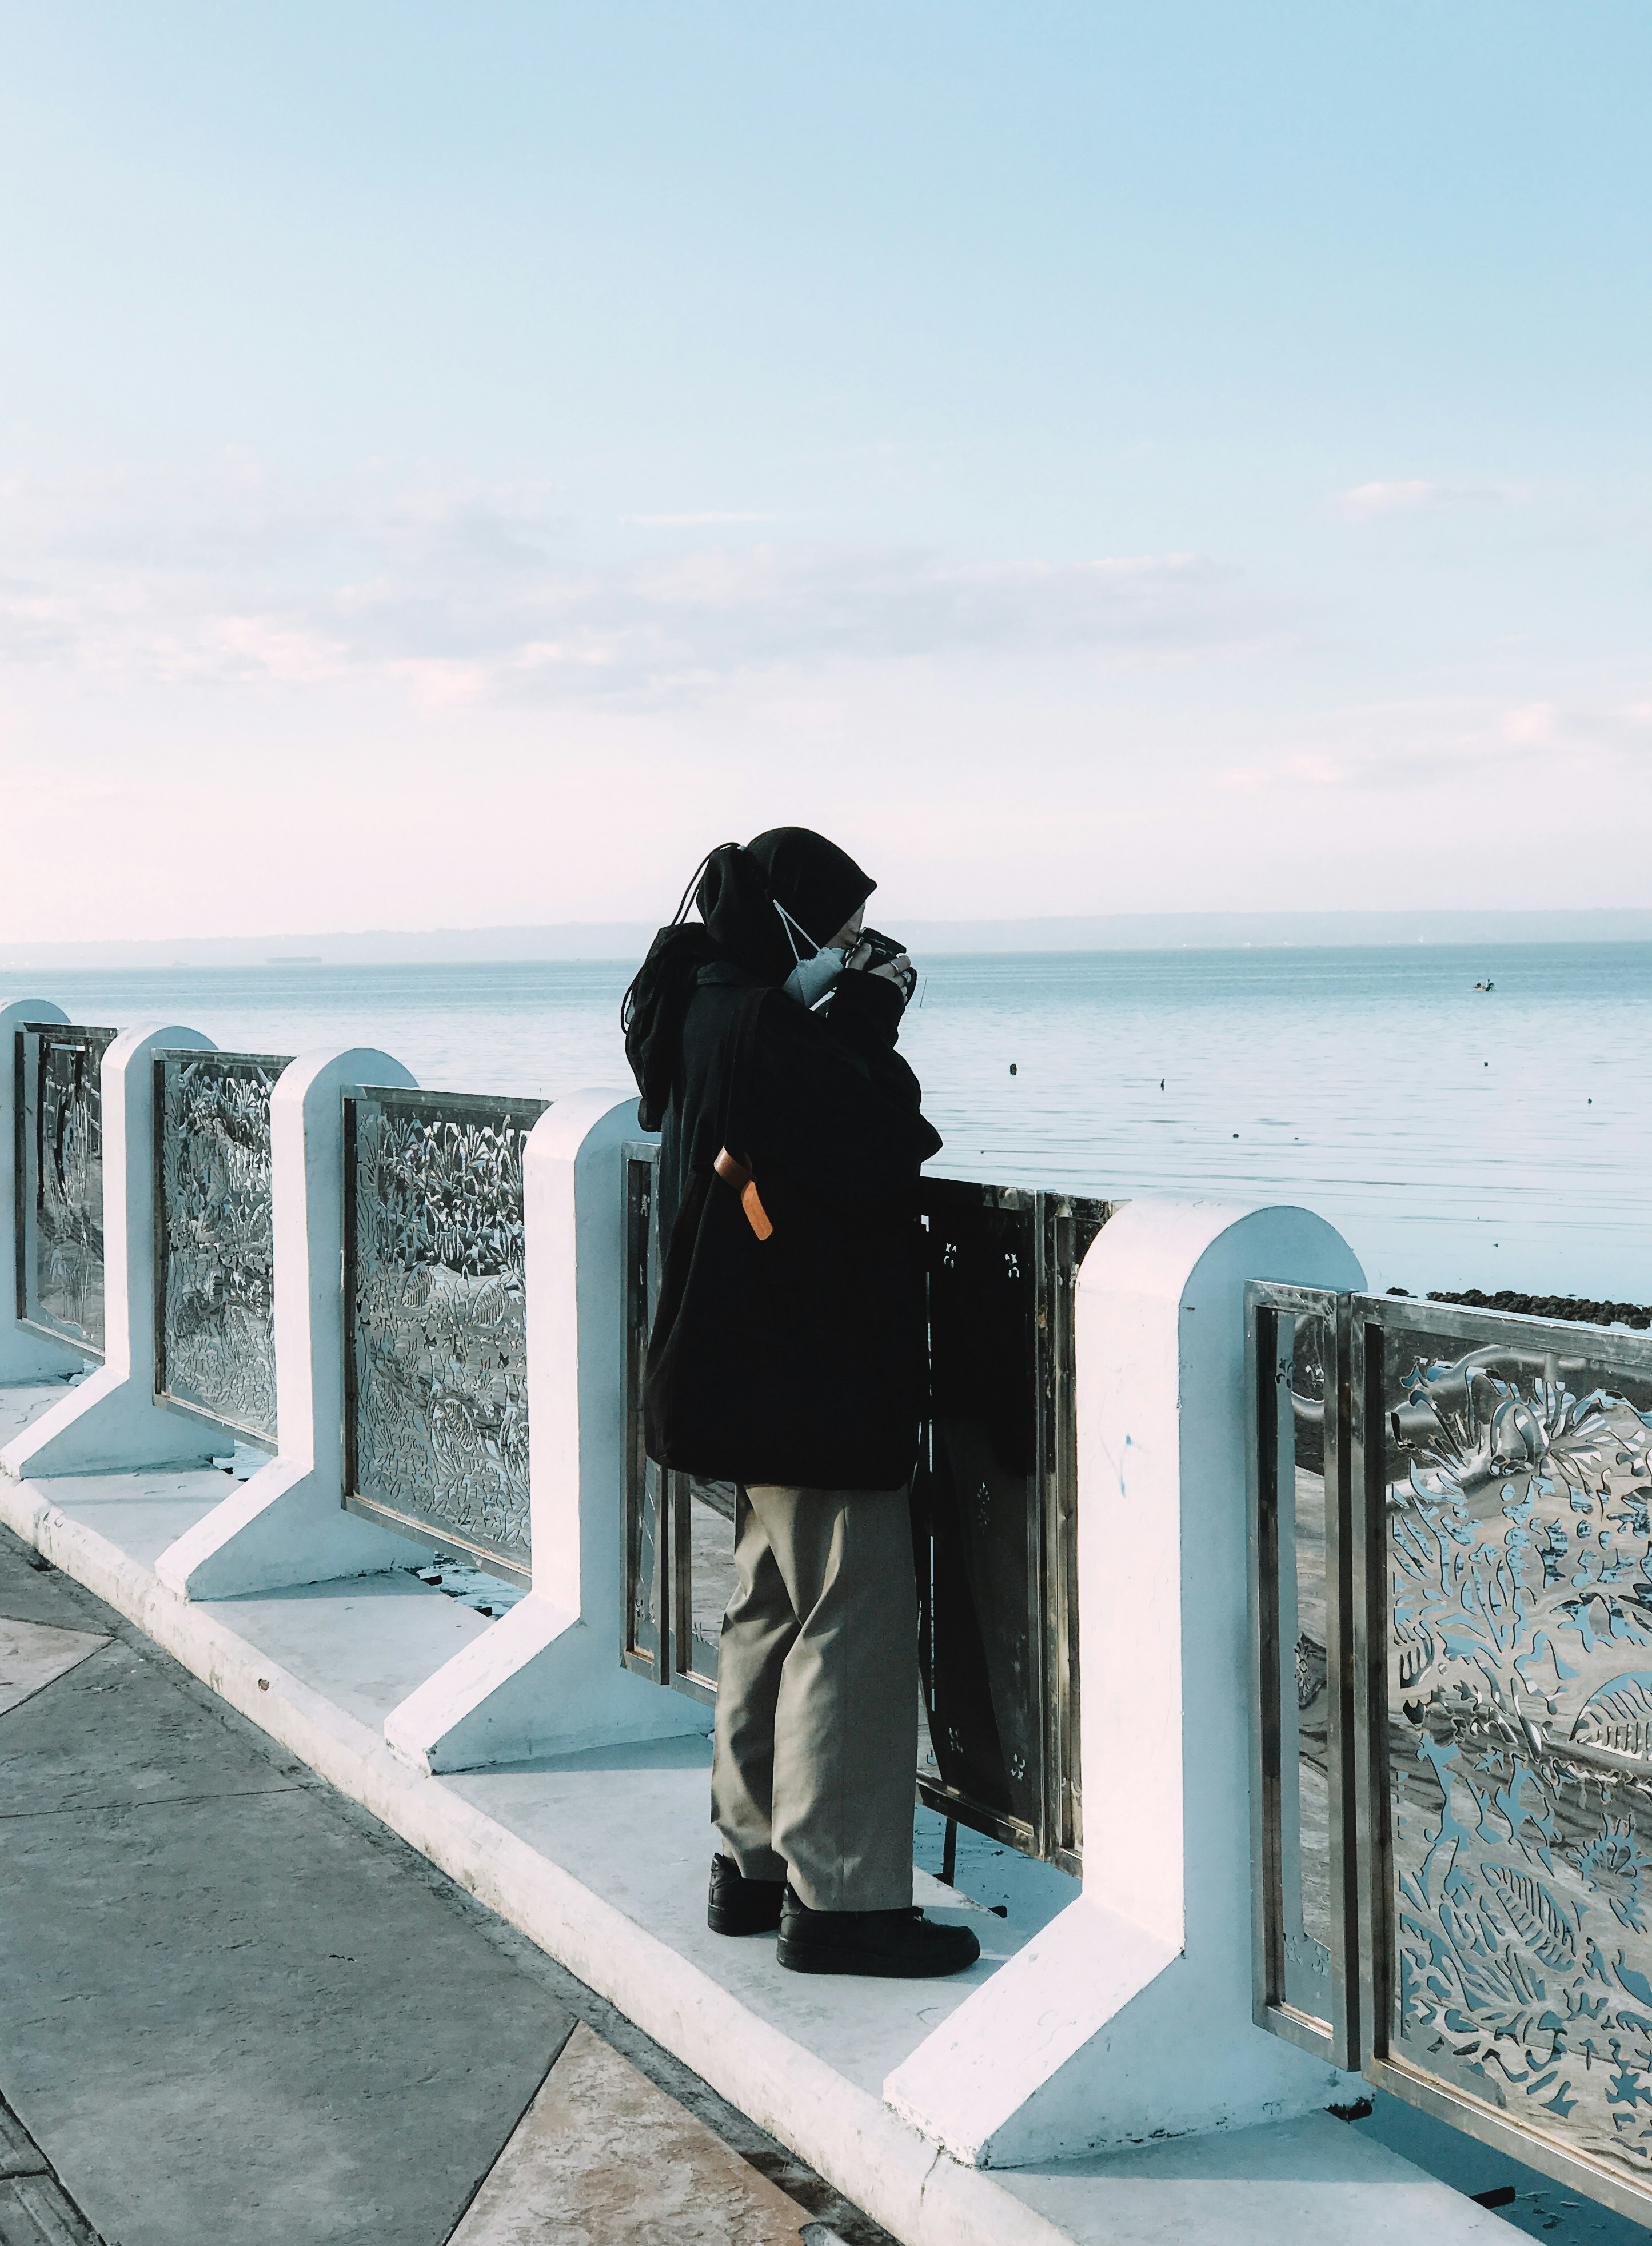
(883, 951)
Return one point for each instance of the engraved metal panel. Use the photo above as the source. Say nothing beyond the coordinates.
(704, 1524)
(436, 1386)
(59, 1181)
(679, 1530)
(993, 1509)
(214, 1248)
(1304, 1923)
(992, 1505)
(1504, 1689)
(647, 1546)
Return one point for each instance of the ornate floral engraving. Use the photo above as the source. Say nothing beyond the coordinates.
(216, 1247)
(439, 1342)
(63, 1219)
(1521, 1719)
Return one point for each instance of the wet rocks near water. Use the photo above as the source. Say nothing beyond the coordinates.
(1572, 1307)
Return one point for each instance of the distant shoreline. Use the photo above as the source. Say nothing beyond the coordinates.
(623, 940)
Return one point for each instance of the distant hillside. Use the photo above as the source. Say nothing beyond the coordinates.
(629, 939)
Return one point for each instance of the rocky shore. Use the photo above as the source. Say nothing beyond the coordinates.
(1574, 1307)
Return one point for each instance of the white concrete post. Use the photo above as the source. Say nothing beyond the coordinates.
(1130, 2016)
(24, 1355)
(547, 1676)
(287, 1523)
(112, 1422)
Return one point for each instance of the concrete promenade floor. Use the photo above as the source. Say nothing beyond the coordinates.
(261, 1979)
(235, 2008)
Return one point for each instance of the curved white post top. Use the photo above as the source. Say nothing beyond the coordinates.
(1155, 1247)
(349, 1067)
(161, 1036)
(571, 1124)
(17, 1012)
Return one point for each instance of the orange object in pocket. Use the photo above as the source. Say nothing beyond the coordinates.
(735, 1172)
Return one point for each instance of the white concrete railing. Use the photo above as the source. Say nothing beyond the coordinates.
(548, 1674)
(1130, 2014)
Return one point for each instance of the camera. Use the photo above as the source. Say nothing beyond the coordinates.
(883, 950)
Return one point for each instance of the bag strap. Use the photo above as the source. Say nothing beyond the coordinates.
(734, 1168)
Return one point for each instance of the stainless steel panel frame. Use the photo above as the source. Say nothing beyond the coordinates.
(1543, 1929)
(1289, 1961)
(455, 1470)
(234, 1259)
(59, 1185)
(660, 1514)
(646, 1550)
(995, 1512)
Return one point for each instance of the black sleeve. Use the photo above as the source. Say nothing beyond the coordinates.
(835, 1110)
(864, 1013)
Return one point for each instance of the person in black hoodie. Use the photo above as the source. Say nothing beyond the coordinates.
(787, 1357)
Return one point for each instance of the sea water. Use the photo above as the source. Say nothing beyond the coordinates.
(1457, 1136)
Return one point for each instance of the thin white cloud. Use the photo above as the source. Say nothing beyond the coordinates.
(1367, 500)
(1412, 749)
(1410, 496)
(691, 522)
(477, 595)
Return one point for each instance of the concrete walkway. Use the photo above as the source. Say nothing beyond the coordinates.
(599, 1860)
(235, 2007)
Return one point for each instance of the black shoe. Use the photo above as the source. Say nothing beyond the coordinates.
(895, 1945)
(737, 1905)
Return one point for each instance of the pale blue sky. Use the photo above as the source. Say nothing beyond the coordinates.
(459, 462)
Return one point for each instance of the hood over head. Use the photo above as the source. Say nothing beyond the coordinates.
(819, 884)
(735, 891)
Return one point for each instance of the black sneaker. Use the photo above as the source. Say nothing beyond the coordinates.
(737, 1905)
(894, 1945)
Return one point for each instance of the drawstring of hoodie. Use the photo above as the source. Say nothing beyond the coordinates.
(812, 978)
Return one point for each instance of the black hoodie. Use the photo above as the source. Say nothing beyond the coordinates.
(798, 1359)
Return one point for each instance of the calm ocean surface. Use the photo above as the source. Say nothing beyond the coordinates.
(1458, 1138)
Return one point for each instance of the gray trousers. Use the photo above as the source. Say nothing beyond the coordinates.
(816, 1746)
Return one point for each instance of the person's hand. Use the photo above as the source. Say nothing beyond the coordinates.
(876, 954)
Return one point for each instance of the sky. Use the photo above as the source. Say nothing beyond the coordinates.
(458, 464)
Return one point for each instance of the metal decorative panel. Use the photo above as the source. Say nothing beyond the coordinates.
(993, 1509)
(977, 1518)
(1506, 1690)
(436, 1407)
(214, 1249)
(647, 1640)
(59, 1174)
(679, 1530)
(1306, 1976)
(992, 1512)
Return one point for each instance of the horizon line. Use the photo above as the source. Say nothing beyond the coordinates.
(617, 940)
